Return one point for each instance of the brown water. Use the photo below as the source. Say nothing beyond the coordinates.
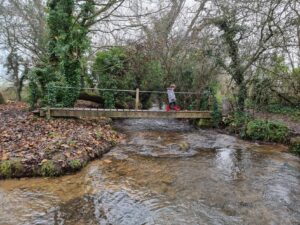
(165, 173)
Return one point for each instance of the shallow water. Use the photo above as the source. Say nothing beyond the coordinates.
(165, 172)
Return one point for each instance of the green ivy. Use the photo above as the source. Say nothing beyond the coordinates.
(111, 68)
(267, 131)
(68, 41)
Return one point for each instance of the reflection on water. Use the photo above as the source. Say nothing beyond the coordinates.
(165, 173)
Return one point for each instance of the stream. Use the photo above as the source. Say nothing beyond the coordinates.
(165, 172)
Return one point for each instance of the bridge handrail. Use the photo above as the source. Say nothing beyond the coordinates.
(131, 91)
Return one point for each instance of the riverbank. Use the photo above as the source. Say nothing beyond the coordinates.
(31, 146)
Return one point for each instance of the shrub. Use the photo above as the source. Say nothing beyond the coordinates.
(48, 169)
(216, 113)
(267, 131)
(237, 123)
(75, 164)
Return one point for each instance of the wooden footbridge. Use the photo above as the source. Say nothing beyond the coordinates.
(123, 113)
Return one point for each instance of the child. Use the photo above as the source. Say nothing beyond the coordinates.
(172, 98)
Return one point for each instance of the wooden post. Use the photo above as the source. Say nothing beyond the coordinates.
(210, 106)
(137, 99)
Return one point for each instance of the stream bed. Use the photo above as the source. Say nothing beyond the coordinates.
(165, 172)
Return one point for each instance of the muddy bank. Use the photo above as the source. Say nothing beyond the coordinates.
(32, 146)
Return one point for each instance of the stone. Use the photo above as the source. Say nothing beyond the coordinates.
(184, 146)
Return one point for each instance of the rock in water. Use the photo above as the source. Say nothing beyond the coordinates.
(184, 146)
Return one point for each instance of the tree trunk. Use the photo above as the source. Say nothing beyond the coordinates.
(2, 101)
(18, 93)
(242, 95)
(93, 98)
(20, 83)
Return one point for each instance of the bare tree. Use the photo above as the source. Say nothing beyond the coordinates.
(23, 37)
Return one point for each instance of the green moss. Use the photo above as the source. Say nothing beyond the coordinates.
(267, 131)
(295, 146)
(48, 169)
(10, 168)
(6, 169)
(75, 164)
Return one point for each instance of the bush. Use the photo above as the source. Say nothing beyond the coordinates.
(48, 169)
(237, 123)
(267, 131)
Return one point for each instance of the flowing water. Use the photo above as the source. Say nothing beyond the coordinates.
(165, 172)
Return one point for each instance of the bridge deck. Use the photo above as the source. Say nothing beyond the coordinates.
(123, 113)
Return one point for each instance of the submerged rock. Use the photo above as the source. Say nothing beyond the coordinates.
(184, 146)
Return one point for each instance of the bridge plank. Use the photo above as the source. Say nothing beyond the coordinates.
(113, 113)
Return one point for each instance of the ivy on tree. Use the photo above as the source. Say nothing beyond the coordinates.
(62, 66)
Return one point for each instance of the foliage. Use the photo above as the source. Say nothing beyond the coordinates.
(133, 67)
(63, 65)
(10, 168)
(237, 123)
(110, 68)
(209, 102)
(275, 84)
(205, 99)
(48, 169)
(284, 109)
(267, 131)
(75, 164)
(216, 113)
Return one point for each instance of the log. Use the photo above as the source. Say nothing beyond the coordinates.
(96, 99)
(89, 97)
